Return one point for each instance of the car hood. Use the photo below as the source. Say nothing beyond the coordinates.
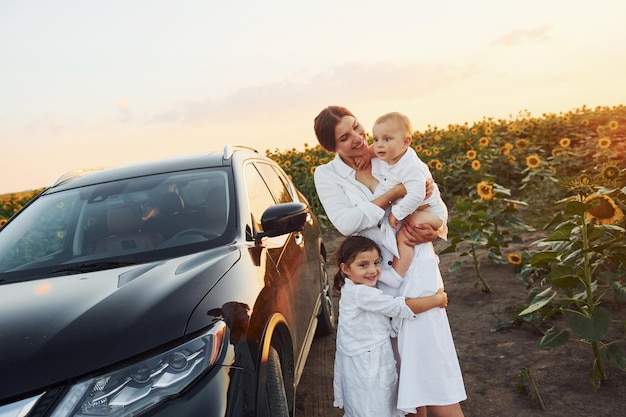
(52, 330)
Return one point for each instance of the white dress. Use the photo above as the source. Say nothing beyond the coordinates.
(365, 373)
(430, 373)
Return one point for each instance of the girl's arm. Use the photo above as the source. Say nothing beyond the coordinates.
(421, 304)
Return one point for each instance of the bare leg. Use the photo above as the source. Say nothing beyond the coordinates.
(402, 264)
(453, 410)
(421, 412)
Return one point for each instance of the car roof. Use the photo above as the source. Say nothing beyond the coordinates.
(81, 178)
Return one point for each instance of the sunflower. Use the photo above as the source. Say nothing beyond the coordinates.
(556, 151)
(437, 137)
(584, 122)
(475, 164)
(484, 141)
(439, 166)
(604, 143)
(436, 150)
(287, 164)
(485, 191)
(427, 152)
(312, 170)
(510, 159)
(611, 172)
(514, 258)
(471, 154)
(418, 148)
(506, 148)
(474, 131)
(613, 124)
(533, 161)
(521, 144)
(488, 131)
(565, 142)
(603, 210)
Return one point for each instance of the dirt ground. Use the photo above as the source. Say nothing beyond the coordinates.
(492, 356)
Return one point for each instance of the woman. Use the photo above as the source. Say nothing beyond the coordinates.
(355, 203)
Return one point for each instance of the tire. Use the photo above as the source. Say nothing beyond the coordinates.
(276, 404)
(326, 323)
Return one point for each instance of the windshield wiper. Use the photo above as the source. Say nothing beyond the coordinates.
(93, 266)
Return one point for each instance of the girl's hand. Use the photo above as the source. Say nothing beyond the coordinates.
(444, 298)
(418, 233)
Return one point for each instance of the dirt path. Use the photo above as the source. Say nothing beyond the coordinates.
(491, 359)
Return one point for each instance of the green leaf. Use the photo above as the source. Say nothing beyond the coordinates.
(563, 232)
(540, 258)
(561, 276)
(456, 266)
(540, 300)
(575, 208)
(613, 354)
(554, 338)
(592, 328)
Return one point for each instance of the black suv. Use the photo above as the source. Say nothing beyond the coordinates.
(191, 286)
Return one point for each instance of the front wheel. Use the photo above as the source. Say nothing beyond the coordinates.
(276, 404)
(326, 317)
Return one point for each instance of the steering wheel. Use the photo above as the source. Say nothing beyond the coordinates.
(196, 231)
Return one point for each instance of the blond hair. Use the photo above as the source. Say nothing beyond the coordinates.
(399, 118)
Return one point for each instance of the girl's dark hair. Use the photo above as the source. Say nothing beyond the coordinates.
(346, 252)
(325, 123)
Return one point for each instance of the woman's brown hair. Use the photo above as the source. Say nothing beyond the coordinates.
(325, 123)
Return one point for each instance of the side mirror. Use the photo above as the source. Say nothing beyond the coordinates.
(282, 219)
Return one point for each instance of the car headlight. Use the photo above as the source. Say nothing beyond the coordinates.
(133, 389)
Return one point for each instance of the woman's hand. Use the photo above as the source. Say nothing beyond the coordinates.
(418, 233)
(430, 186)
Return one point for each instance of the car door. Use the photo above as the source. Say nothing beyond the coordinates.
(288, 252)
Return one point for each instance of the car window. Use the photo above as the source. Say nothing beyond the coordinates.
(277, 185)
(44, 231)
(259, 195)
(119, 218)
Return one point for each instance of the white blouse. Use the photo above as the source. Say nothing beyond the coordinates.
(364, 314)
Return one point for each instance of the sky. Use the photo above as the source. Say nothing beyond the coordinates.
(92, 84)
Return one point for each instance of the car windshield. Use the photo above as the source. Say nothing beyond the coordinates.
(133, 220)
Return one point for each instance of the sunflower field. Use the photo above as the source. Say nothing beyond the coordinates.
(561, 173)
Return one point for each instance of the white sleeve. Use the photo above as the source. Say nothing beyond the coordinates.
(372, 299)
(347, 208)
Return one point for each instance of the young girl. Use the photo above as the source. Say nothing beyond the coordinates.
(365, 374)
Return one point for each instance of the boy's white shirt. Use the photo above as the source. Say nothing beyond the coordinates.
(413, 173)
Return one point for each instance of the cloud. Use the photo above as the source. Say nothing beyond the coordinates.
(353, 82)
(539, 34)
(123, 108)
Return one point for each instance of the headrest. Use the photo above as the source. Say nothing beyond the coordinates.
(170, 203)
(125, 219)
